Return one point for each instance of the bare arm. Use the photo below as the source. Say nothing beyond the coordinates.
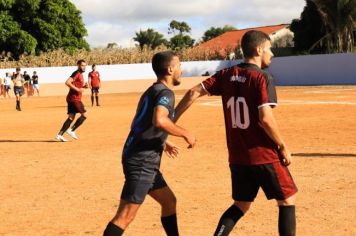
(162, 121)
(188, 100)
(270, 126)
(69, 83)
(89, 81)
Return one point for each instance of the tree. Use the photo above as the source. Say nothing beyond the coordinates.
(42, 24)
(182, 27)
(182, 39)
(339, 21)
(180, 42)
(325, 26)
(111, 45)
(308, 29)
(213, 32)
(149, 38)
(13, 39)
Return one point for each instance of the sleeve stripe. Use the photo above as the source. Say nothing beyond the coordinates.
(205, 88)
(267, 104)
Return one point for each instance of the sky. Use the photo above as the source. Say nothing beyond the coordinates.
(116, 21)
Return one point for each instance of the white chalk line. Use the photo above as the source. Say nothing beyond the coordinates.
(290, 102)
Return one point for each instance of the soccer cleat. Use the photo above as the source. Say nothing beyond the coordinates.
(61, 138)
(72, 134)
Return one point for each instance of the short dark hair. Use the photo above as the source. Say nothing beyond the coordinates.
(18, 68)
(251, 40)
(80, 62)
(161, 61)
(94, 65)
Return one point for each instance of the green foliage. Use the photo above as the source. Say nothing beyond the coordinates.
(182, 27)
(150, 38)
(326, 26)
(308, 29)
(339, 21)
(13, 39)
(41, 26)
(213, 32)
(180, 40)
(6, 4)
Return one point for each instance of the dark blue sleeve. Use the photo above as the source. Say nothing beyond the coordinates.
(165, 98)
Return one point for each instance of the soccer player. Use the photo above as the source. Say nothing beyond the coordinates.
(143, 149)
(2, 86)
(7, 85)
(94, 84)
(35, 84)
(74, 100)
(19, 82)
(258, 155)
(28, 83)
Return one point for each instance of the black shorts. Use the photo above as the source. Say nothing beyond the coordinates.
(139, 181)
(75, 107)
(274, 178)
(95, 90)
(18, 90)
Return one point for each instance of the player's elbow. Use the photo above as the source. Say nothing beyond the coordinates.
(265, 121)
(158, 123)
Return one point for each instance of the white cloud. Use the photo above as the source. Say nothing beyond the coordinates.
(118, 20)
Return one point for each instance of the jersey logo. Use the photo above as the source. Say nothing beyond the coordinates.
(164, 101)
(240, 79)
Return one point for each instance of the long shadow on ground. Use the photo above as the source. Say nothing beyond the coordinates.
(28, 141)
(324, 154)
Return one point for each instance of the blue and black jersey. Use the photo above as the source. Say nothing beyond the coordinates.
(144, 145)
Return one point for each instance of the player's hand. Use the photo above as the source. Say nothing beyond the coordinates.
(171, 150)
(86, 85)
(190, 139)
(285, 156)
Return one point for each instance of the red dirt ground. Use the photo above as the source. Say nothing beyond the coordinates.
(73, 188)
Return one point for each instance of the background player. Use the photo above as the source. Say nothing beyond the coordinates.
(258, 155)
(7, 85)
(94, 84)
(28, 84)
(35, 84)
(19, 82)
(142, 152)
(74, 100)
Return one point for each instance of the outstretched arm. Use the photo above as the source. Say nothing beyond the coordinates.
(162, 121)
(188, 100)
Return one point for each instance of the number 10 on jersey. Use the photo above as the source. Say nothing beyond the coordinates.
(239, 112)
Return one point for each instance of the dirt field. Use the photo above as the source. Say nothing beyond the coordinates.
(73, 188)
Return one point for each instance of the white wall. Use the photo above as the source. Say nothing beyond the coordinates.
(297, 70)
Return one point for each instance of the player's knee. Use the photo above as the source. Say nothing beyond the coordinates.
(244, 206)
(173, 202)
(123, 219)
(288, 201)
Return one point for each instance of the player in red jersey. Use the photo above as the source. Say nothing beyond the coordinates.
(258, 156)
(74, 100)
(94, 84)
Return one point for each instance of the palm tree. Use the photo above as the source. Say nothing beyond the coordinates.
(339, 20)
(150, 38)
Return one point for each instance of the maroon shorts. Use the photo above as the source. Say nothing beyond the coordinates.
(274, 178)
(75, 107)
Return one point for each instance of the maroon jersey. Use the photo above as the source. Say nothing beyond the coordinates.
(95, 79)
(244, 89)
(78, 81)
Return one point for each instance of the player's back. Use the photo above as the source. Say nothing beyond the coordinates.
(244, 89)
